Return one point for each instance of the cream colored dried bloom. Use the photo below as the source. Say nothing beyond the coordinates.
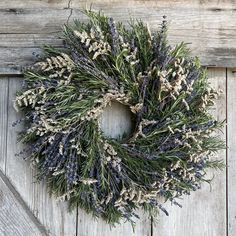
(96, 47)
(58, 64)
(136, 108)
(88, 181)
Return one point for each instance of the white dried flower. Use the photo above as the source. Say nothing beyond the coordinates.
(88, 181)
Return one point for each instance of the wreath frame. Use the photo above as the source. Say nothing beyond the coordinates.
(173, 143)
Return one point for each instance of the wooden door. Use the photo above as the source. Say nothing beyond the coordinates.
(25, 206)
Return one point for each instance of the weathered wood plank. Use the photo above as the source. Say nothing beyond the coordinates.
(88, 226)
(115, 121)
(225, 4)
(15, 218)
(52, 214)
(231, 137)
(33, 20)
(204, 212)
(61, 4)
(3, 121)
(209, 26)
(15, 61)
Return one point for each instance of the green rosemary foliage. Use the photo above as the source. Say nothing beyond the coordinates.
(174, 140)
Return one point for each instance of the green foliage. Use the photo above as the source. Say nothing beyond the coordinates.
(174, 141)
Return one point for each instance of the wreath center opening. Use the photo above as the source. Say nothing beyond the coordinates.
(116, 120)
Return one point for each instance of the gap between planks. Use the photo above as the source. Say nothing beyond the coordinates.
(77, 221)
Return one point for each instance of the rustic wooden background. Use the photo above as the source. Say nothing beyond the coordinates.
(208, 25)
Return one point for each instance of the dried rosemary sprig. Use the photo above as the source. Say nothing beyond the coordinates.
(173, 142)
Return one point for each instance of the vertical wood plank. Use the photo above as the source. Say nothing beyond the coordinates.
(115, 121)
(231, 138)
(88, 226)
(52, 214)
(204, 212)
(3, 120)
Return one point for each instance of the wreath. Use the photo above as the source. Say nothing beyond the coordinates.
(173, 141)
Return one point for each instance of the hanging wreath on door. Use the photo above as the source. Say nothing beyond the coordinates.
(172, 144)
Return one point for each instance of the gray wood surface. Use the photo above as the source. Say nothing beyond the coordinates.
(51, 213)
(15, 217)
(208, 26)
(116, 120)
(25, 207)
(231, 137)
(204, 211)
(3, 120)
(88, 226)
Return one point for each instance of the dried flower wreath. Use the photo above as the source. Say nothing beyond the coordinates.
(172, 144)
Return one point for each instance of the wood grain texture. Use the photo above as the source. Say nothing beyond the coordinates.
(3, 120)
(88, 226)
(231, 137)
(51, 213)
(204, 212)
(15, 219)
(115, 121)
(209, 26)
(64, 4)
